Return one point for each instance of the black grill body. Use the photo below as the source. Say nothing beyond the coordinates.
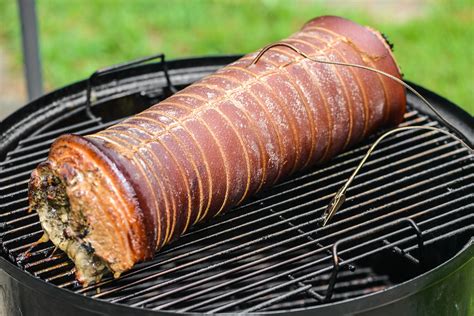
(401, 244)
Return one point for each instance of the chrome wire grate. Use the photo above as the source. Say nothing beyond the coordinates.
(415, 195)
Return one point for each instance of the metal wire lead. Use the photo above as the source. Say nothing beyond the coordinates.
(339, 198)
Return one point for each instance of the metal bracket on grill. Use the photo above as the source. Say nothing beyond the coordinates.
(170, 89)
(421, 261)
(336, 259)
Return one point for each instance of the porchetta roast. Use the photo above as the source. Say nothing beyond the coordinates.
(114, 198)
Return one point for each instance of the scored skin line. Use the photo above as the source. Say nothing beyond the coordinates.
(171, 229)
(183, 176)
(159, 217)
(353, 75)
(183, 149)
(370, 60)
(290, 118)
(336, 72)
(111, 138)
(315, 79)
(171, 219)
(249, 122)
(195, 142)
(345, 40)
(256, 79)
(182, 106)
(341, 80)
(198, 117)
(225, 162)
(309, 115)
(357, 79)
(239, 137)
(173, 157)
(279, 174)
(210, 105)
(239, 89)
(156, 159)
(117, 142)
(175, 160)
(295, 60)
(226, 169)
(328, 112)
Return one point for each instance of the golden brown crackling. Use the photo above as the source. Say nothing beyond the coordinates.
(184, 102)
(159, 149)
(282, 128)
(192, 171)
(234, 66)
(220, 146)
(330, 90)
(172, 218)
(250, 144)
(350, 101)
(207, 143)
(309, 117)
(356, 75)
(179, 169)
(374, 60)
(305, 47)
(152, 218)
(113, 139)
(288, 118)
(366, 58)
(327, 112)
(235, 134)
(253, 128)
(269, 135)
(202, 211)
(157, 228)
(251, 96)
(193, 142)
(243, 101)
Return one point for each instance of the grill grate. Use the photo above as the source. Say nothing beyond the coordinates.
(271, 254)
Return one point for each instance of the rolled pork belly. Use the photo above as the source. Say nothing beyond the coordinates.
(114, 198)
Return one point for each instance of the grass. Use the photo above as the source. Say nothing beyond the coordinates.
(435, 49)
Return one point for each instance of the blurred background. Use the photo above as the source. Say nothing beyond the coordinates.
(434, 39)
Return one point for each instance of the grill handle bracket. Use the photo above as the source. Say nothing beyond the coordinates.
(421, 261)
(337, 265)
(91, 81)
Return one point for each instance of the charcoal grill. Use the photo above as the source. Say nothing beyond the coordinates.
(402, 243)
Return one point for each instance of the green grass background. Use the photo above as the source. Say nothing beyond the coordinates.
(435, 49)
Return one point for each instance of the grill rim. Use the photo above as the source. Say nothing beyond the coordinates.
(10, 135)
(358, 304)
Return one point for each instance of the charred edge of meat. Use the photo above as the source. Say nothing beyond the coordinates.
(387, 40)
(49, 198)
